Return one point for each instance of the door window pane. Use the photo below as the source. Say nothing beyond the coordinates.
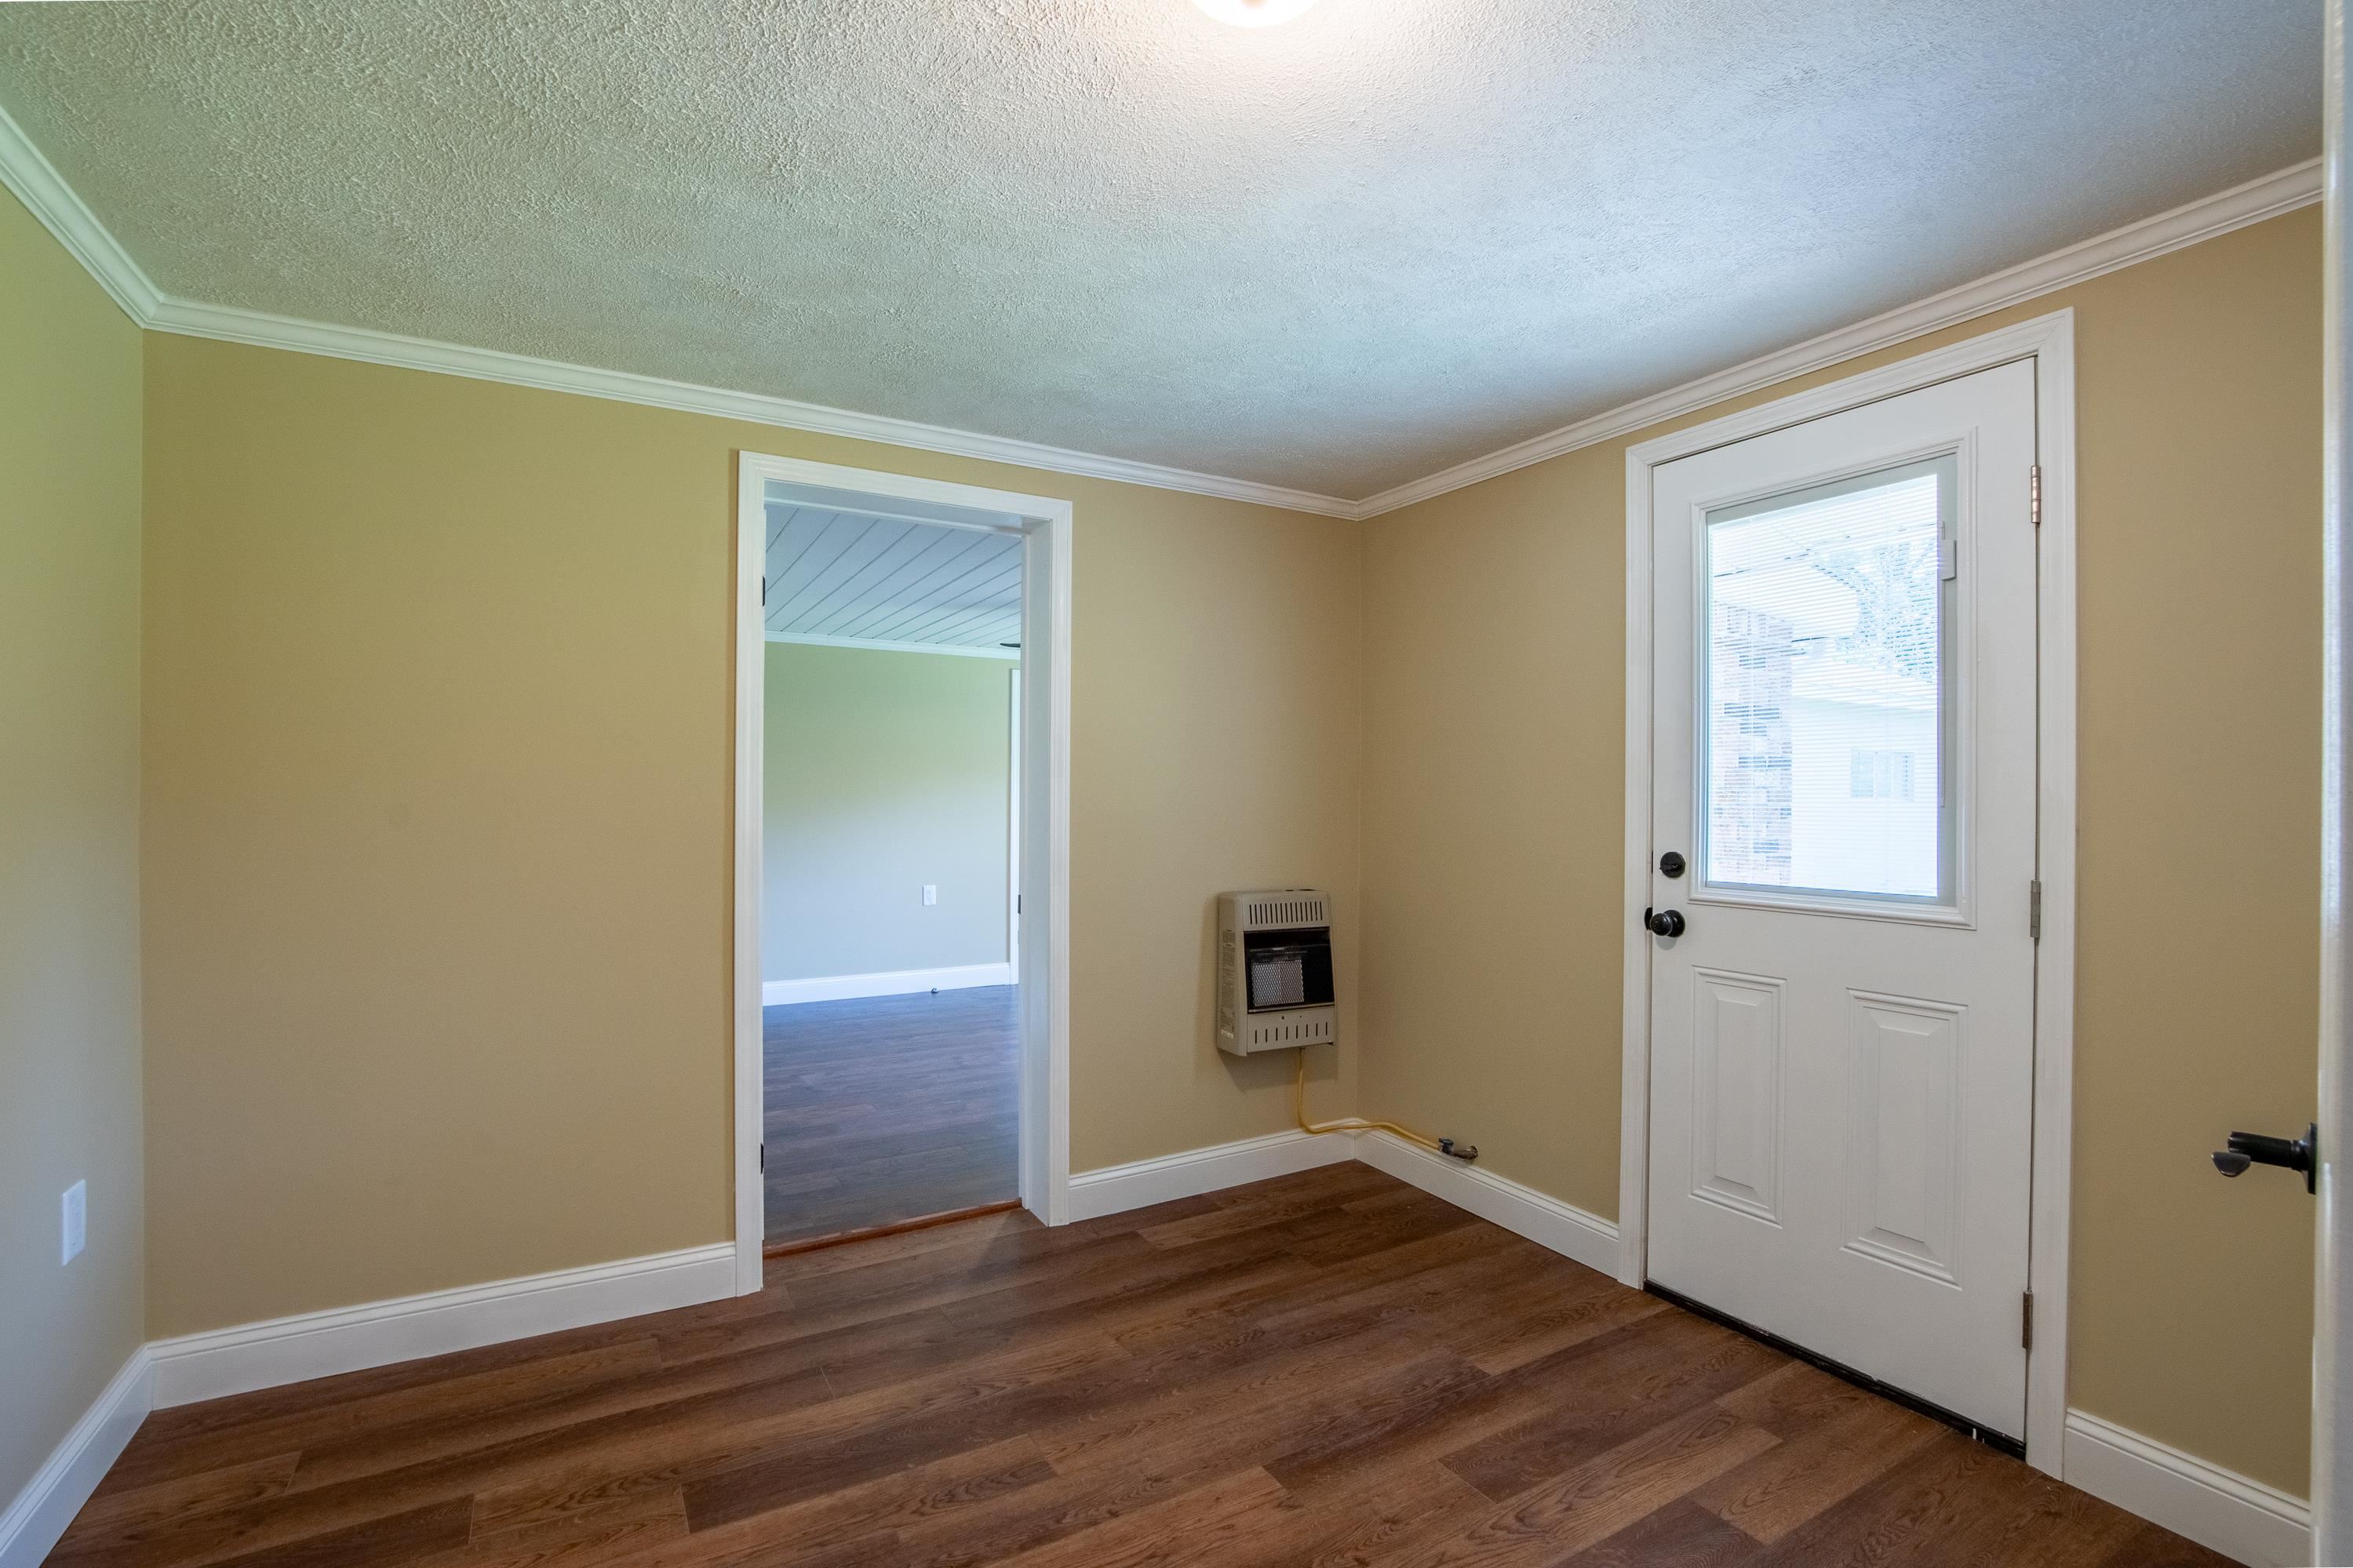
(1826, 733)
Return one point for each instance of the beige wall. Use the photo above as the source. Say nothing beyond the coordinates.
(1494, 812)
(438, 840)
(886, 771)
(70, 1094)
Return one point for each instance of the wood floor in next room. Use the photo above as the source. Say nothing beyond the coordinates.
(889, 1108)
(1328, 1368)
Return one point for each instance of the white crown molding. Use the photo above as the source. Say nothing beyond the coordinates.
(47, 197)
(265, 330)
(37, 184)
(24, 170)
(2185, 226)
(33, 1523)
(812, 639)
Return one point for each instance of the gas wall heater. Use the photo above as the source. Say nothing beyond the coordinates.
(1274, 971)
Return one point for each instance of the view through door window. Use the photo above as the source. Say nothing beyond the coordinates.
(1827, 687)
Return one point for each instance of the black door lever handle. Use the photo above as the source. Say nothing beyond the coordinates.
(2248, 1149)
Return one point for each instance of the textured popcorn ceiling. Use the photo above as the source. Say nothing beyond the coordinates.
(1337, 255)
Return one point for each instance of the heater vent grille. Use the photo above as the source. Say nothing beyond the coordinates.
(1305, 911)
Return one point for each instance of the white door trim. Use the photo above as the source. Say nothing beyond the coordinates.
(1013, 826)
(2332, 1393)
(1045, 524)
(2050, 342)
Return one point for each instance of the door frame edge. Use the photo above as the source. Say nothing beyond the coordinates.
(2049, 342)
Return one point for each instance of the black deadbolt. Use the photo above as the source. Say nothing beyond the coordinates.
(1670, 864)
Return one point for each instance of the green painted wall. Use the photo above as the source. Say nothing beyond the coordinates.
(884, 771)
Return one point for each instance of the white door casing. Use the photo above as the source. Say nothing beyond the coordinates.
(2332, 1404)
(1856, 1168)
(1013, 824)
(1042, 738)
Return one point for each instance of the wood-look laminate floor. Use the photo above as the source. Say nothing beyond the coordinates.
(1330, 1368)
(889, 1108)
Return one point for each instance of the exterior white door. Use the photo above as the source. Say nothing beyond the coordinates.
(1843, 863)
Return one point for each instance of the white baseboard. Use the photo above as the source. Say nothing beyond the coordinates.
(39, 1516)
(1546, 1221)
(2217, 1509)
(1115, 1189)
(891, 983)
(1565, 1228)
(350, 1339)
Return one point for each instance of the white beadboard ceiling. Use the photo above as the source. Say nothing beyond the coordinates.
(1337, 255)
(861, 577)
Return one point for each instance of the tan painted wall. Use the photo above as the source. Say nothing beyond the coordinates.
(886, 771)
(438, 825)
(70, 1093)
(1494, 812)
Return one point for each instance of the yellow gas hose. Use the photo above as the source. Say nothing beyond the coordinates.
(1358, 1125)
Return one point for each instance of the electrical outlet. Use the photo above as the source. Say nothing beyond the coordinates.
(931, 893)
(76, 1221)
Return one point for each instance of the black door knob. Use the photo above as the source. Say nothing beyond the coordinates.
(1663, 923)
(2248, 1149)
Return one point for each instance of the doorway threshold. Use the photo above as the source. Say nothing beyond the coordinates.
(896, 1228)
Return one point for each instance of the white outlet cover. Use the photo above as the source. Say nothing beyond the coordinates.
(931, 893)
(76, 1221)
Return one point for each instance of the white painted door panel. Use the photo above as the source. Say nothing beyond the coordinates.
(1843, 1036)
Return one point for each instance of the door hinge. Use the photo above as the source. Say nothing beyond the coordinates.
(2026, 1322)
(2034, 910)
(763, 1157)
(2034, 495)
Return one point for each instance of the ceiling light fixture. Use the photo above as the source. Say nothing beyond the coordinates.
(1254, 13)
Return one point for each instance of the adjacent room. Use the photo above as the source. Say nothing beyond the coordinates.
(890, 836)
(1210, 784)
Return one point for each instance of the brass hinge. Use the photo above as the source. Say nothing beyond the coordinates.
(2034, 495)
(2034, 910)
(2026, 1322)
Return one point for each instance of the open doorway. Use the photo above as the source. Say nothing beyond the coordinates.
(901, 819)
(888, 873)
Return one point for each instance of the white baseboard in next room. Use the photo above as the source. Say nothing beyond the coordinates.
(890, 982)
